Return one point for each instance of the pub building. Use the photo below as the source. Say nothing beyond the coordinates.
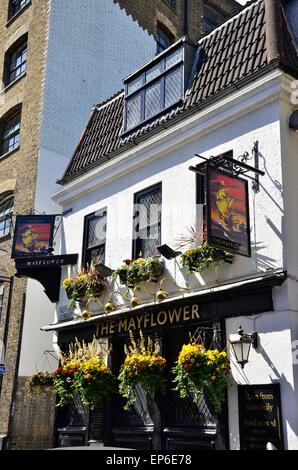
(200, 137)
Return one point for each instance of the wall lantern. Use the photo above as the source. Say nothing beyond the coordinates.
(293, 124)
(241, 344)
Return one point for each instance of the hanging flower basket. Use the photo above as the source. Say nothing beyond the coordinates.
(201, 257)
(132, 272)
(143, 365)
(38, 384)
(86, 286)
(84, 371)
(201, 371)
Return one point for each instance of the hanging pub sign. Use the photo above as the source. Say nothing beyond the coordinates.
(228, 212)
(33, 235)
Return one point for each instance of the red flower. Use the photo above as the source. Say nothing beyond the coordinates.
(187, 366)
(127, 262)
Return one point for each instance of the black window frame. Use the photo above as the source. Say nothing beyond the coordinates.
(165, 71)
(2, 292)
(85, 258)
(164, 39)
(4, 125)
(136, 242)
(208, 25)
(8, 217)
(12, 68)
(16, 6)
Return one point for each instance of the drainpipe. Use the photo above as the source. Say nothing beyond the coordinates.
(185, 27)
(274, 30)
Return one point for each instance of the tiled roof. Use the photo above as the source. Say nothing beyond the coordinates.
(232, 53)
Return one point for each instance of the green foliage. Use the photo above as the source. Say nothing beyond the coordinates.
(89, 284)
(202, 257)
(37, 382)
(63, 384)
(142, 366)
(131, 273)
(201, 371)
(94, 388)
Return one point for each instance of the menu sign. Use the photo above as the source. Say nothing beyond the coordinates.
(260, 416)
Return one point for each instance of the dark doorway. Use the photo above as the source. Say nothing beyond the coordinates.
(172, 423)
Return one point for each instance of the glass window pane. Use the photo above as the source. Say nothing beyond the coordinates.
(149, 223)
(97, 231)
(174, 58)
(173, 87)
(153, 72)
(152, 100)
(6, 210)
(135, 84)
(11, 134)
(133, 111)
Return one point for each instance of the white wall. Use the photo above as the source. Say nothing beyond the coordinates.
(92, 46)
(273, 214)
(178, 193)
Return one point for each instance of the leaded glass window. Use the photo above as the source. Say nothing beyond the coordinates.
(95, 238)
(147, 222)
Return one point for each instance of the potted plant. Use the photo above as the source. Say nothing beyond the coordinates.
(201, 257)
(83, 371)
(87, 285)
(38, 383)
(199, 370)
(143, 366)
(133, 272)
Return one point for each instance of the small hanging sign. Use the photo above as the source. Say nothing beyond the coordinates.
(33, 235)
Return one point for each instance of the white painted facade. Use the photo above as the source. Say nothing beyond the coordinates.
(258, 112)
(91, 44)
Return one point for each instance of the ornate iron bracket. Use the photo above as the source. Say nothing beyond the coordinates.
(235, 167)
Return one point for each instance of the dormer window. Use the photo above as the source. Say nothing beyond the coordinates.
(158, 86)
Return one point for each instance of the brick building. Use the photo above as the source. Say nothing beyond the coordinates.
(55, 58)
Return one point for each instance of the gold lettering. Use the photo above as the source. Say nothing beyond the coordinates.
(139, 320)
(104, 329)
(152, 320)
(146, 320)
(195, 312)
(122, 325)
(112, 327)
(173, 313)
(164, 319)
(132, 325)
(186, 313)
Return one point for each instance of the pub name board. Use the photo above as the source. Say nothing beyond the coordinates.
(143, 321)
(46, 261)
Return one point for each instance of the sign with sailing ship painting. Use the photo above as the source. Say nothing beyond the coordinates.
(228, 212)
(33, 235)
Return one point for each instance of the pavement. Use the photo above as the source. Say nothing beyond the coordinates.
(97, 446)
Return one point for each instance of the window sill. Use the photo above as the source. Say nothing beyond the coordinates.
(11, 84)
(17, 14)
(7, 154)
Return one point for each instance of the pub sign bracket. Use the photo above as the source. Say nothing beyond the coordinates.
(235, 167)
